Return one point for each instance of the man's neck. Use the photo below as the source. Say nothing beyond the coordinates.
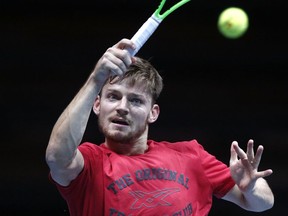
(128, 148)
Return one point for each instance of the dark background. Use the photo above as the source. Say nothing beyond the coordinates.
(216, 89)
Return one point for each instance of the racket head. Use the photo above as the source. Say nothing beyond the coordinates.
(162, 16)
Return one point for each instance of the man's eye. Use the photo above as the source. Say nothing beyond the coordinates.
(136, 101)
(112, 97)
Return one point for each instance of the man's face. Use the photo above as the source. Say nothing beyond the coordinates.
(124, 111)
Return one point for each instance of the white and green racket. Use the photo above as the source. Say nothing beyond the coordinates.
(147, 29)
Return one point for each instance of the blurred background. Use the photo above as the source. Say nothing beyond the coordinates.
(216, 89)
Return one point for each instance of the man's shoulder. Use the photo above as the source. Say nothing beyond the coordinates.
(184, 146)
(90, 147)
(173, 143)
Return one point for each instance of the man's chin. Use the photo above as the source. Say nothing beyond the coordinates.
(118, 137)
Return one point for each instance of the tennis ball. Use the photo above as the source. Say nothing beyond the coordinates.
(233, 22)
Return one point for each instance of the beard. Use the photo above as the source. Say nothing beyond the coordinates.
(119, 136)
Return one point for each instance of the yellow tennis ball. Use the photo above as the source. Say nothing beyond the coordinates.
(233, 22)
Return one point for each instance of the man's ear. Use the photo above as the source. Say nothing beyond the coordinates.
(154, 113)
(96, 106)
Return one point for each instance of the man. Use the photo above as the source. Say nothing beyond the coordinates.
(130, 175)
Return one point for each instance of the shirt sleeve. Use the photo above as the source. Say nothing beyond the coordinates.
(217, 172)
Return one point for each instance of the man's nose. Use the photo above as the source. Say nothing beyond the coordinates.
(122, 107)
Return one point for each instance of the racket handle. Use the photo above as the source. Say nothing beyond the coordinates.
(143, 34)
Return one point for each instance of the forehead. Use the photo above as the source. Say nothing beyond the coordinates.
(124, 86)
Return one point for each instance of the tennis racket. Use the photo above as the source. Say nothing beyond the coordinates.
(147, 29)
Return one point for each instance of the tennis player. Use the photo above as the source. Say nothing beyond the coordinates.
(129, 174)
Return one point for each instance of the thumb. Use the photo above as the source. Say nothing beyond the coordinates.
(233, 153)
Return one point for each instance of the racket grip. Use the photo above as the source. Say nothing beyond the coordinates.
(144, 33)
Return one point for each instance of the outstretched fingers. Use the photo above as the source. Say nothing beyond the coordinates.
(236, 152)
(233, 153)
(257, 161)
(250, 150)
(248, 158)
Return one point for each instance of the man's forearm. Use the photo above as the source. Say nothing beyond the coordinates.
(260, 198)
(69, 129)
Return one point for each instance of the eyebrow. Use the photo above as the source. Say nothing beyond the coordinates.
(137, 95)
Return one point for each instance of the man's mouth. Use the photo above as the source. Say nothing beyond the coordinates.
(120, 122)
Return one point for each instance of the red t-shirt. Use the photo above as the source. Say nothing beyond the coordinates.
(169, 179)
